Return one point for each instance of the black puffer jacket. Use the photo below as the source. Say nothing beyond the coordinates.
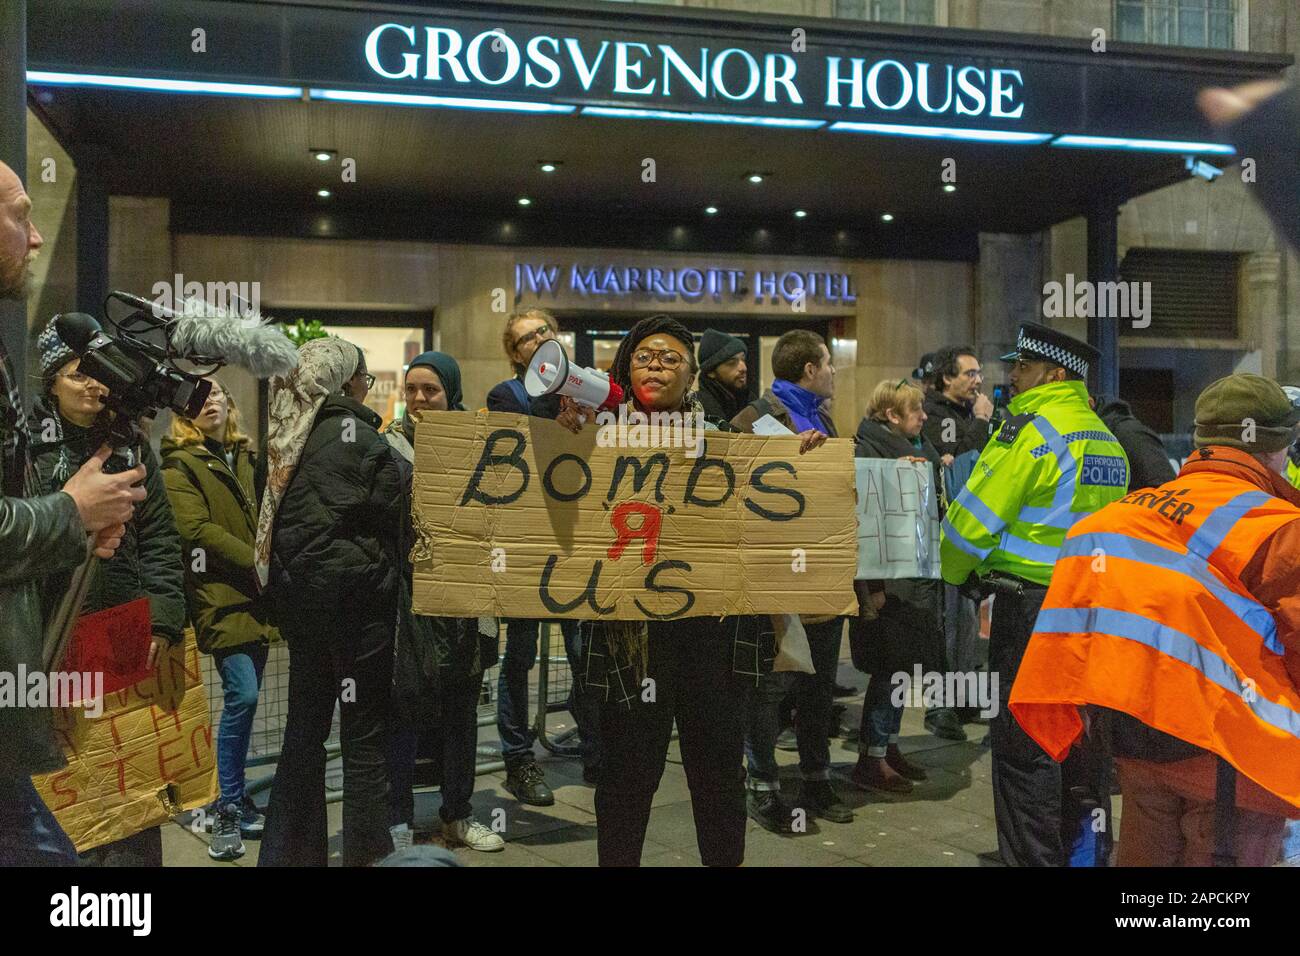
(148, 561)
(1148, 463)
(334, 544)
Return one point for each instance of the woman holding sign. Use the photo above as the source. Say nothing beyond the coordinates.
(648, 674)
(69, 425)
(907, 626)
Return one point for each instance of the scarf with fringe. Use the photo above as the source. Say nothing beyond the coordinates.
(323, 366)
(627, 643)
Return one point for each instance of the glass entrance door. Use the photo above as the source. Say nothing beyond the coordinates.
(596, 338)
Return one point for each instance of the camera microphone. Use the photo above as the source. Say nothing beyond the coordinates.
(77, 329)
(246, 340)
(207, 334)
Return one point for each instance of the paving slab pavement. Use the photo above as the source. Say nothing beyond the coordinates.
(946, 821)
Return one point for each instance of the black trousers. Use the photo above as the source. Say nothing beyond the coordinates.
(814, 701)
(349, 661)
(1038, 804)
(455, 724)
(690, 663)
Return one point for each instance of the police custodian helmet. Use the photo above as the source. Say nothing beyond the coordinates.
(1038, 343)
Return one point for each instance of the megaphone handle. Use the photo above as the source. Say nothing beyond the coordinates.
(613, 399)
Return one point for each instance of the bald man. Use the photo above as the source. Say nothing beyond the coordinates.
(19, 239)
(40, 535)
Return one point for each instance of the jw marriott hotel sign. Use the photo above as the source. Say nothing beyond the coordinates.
(689, 283)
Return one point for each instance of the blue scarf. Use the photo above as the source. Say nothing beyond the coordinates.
(448, 373)
(800, 403)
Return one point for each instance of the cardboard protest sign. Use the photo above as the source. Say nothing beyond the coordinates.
(147, 756)
(898, 520)
(518, 517)
(113, 642)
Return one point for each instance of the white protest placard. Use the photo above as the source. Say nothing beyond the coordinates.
(898, 520)
(767, 425)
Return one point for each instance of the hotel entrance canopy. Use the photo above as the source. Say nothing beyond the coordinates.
(653, 113)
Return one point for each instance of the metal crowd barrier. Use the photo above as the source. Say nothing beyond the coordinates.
(550, 680)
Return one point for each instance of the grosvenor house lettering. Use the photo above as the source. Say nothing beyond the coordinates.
(494, 60)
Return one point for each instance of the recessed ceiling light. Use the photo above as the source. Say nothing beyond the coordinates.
(711, 210)
(949, 188)
(324, 193)
(755, 177)
(548, 167)
(324, 156)
(800, 214)
(887, 217)
(525, 201)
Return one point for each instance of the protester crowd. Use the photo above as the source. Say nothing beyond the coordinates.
(1029, 491)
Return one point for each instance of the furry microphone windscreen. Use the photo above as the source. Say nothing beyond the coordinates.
(244, 339)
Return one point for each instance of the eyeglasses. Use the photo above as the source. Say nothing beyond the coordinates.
(370, 380)
(80, 379)
(669, 359)
(541, 332)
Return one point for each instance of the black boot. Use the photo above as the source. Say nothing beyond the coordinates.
(766, 809)
(943, 723)
(902, 766)
(528, 784)
(819, 799)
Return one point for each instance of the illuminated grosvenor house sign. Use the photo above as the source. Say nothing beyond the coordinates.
(492, 61)
(683, 284)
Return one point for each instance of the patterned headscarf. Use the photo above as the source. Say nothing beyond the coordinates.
(323, 366)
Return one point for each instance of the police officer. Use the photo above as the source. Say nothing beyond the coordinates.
(1050, 463)
(1293, 453)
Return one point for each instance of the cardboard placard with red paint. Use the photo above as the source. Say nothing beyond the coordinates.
(518, 517)
(148, 756)
(113, 642)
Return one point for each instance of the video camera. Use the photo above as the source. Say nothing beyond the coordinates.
(141, 375)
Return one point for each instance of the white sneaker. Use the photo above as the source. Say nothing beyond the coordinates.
(469, 832)
(403, 836)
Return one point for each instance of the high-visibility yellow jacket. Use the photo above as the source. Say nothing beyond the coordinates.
(1050, 463)
(1152, 612)
(1293, 473)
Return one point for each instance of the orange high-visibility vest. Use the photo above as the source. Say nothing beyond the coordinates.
(1147, 614)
